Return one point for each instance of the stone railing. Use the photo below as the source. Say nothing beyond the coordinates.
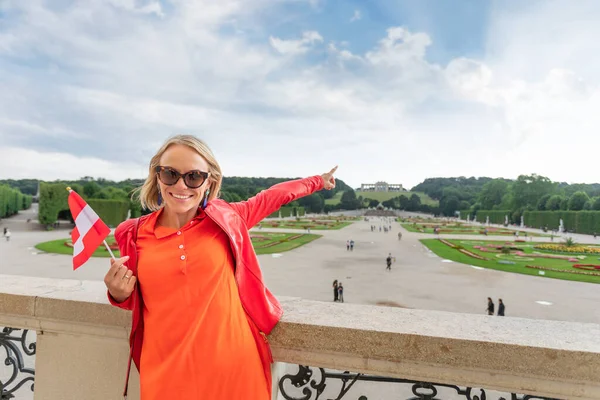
(81, 350)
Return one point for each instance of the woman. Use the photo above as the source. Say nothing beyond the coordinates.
(188, 271)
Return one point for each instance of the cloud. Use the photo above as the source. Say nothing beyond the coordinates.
(294, 47)
(356, 16)
(81, 98)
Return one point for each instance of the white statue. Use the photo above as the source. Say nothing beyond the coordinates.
(506, 220)
(561, 228)
(487, 220)
(522, 221)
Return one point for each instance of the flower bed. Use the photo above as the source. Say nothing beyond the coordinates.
(562, 270)
(447, 243)
(550, 256)
(468, 253)
(572, 249)
(589, 267)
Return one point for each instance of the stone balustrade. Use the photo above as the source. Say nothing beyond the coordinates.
(82, 348)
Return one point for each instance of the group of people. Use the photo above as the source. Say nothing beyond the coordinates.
(386, 228)
(491, 307)
(338, 291)
(7, 234)
(350, 245)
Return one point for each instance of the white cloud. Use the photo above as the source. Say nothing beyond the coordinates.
(294, 47)
(356, 16)
(81, 98)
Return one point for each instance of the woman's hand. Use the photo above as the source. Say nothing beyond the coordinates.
(328, 179)
(119, 280)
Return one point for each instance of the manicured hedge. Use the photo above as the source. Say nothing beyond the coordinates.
(112, 212)
(12, 201)
(496, 216)
(288, 211)
(577, 221)
(53, 199)
(465, 213)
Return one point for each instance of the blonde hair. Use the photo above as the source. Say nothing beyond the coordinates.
(148, 192)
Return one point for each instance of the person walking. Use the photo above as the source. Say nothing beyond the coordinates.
(501, 308)
(388, 261)
(340, 293)
(192, 279)
(351, 245)
(335, 290)
(399, 235)
(347, 245)
(7, 234)
(490, 307)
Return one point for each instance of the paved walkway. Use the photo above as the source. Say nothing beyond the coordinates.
(418, 279)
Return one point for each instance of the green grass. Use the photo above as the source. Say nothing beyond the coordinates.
(469, 230)
(303, 224)
(446, 252)
(383, 196)
(59, 247)
(274, 243)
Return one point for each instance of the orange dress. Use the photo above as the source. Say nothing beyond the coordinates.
(198, 342)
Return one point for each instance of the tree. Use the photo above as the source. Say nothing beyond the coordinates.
(404, 202)
(492, 193)
(313, 203)
(541, 204)
(528, 189)
(449, 206)
(414, 202)
(464, 205)
(596, 204)
(554, 203)
(349, 200)
(588, 205)
(578, 200)
(91, 189)
(373, 203)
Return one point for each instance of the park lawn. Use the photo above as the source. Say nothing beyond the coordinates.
(287, 224)
(448, 253)
(383, 196)
(471, 230)
(285, 244)
(58, 247)
(260, 246)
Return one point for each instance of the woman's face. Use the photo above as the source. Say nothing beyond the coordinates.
(179, 198)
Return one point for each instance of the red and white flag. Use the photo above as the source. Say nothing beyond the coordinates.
(90, 231)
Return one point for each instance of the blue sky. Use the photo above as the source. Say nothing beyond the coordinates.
(389, 90)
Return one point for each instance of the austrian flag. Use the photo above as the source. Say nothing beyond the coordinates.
(90, 231)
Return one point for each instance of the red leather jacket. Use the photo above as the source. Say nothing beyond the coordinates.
(235, 219)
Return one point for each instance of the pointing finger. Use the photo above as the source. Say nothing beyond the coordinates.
(333, 170)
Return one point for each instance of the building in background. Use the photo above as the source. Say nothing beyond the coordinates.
(382, 187)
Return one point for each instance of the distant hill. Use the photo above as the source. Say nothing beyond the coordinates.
(383, 196)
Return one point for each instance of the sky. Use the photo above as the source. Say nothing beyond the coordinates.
(388, 90)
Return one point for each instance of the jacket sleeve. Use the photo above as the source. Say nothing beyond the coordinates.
(125, 305)
(265, 203)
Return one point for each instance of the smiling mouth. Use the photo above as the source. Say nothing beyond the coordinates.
(181, 197)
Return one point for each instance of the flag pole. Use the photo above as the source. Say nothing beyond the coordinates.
(104, 241)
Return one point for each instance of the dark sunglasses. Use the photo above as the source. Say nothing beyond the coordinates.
(170, 176)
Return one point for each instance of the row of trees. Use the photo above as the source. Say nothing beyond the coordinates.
(114, 199)
(526, 193)
(12, 201)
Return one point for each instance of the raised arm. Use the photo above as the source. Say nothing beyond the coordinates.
(265, 203)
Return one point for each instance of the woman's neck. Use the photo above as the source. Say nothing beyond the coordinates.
(173, 220)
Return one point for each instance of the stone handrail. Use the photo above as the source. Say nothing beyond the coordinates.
(82, 346)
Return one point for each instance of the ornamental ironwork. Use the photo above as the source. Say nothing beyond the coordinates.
(17, 346)
(309, 383)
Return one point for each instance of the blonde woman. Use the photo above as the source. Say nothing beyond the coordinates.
(188, 271)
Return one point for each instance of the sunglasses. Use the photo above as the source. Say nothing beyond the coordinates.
(192, 179)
